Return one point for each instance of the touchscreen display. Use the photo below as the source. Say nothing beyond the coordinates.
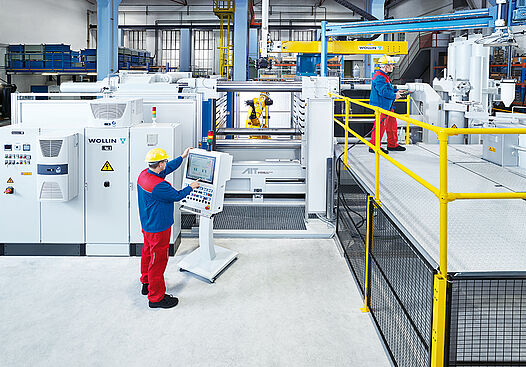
(200, 167)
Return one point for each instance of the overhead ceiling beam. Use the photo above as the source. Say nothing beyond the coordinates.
(365, 15)
(393, 3)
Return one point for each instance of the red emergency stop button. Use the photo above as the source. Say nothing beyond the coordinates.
(207, 207)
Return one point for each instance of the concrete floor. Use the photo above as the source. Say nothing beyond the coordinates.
(283, 303)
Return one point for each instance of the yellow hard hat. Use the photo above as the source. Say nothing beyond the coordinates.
(156, 155)
(386, 60)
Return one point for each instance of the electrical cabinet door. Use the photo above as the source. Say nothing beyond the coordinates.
(143, 138)
(19, 205)
(107, 185)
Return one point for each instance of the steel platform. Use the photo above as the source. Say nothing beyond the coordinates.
(484, 235)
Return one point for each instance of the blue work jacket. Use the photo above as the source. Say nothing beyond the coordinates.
(156, 198)
(382, 91)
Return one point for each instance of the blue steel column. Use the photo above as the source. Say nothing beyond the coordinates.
(241, 18)
(185, 50)
(376, 8)
(323, 49)
(107, 37)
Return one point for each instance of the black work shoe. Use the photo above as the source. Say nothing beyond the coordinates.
(167, 302)
(398, 148)
(144, 290)
(383, 150)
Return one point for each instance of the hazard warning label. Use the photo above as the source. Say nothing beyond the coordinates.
(107, 167)
(10, 180)
(454, 126)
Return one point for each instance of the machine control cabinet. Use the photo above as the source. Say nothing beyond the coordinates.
(213, 170)
(19, 186)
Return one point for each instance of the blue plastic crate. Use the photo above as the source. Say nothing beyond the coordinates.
(15, 48)
(35, 65)
(57, 48)
(135, 59)
(17, 64)
(89, 52)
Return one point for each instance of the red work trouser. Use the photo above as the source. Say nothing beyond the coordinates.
(153, 262)
(388, 123)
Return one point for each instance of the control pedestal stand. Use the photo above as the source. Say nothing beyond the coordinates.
(208, 260)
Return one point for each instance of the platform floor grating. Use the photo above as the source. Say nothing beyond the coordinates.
(260, 217)
(484, 235)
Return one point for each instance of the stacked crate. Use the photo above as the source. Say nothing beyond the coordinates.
(34, 57)
(57, 57)
(15, 57)
(89, 58)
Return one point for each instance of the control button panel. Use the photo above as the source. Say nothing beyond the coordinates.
(201, 195)
(17, 154)
(17, 159)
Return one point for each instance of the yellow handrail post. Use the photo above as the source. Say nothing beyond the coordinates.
(408, 108)
(368, 243)
(440, 281)
(377, 155)
(346, 131)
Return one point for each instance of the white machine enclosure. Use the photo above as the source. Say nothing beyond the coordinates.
(20, 209)
(107, 191)
(143, 138)
(213, 169)
(501, 149)
(58, 167)
(116, 112)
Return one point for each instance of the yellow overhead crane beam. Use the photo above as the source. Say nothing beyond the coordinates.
(345, 47)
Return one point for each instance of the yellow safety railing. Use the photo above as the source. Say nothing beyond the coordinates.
(441, 192)
(407, 101)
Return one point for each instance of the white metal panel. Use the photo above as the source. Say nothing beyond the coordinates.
(57, 114)
(107, 192)
(63, 222)
(167, 137)
(20, 211)
(320, 133)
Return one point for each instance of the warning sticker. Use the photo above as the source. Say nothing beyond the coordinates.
(454, 126)
(10, 180)
(491, 149)
(107, 167)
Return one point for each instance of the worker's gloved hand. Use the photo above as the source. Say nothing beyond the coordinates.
(400, 94)
(195, 184)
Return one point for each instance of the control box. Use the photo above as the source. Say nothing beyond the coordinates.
(18, 191)
(213, 170)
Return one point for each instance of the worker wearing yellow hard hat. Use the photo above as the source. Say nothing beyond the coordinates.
(156, 199)
(383, 95)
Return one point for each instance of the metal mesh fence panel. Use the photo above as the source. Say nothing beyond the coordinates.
(488, 321)
(401, 293)
(351, 224)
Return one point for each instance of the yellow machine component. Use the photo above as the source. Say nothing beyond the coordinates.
(346, 47)
(224, 10)
(256, 106)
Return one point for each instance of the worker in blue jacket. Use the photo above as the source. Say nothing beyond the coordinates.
(156, 199)
(383, 94)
